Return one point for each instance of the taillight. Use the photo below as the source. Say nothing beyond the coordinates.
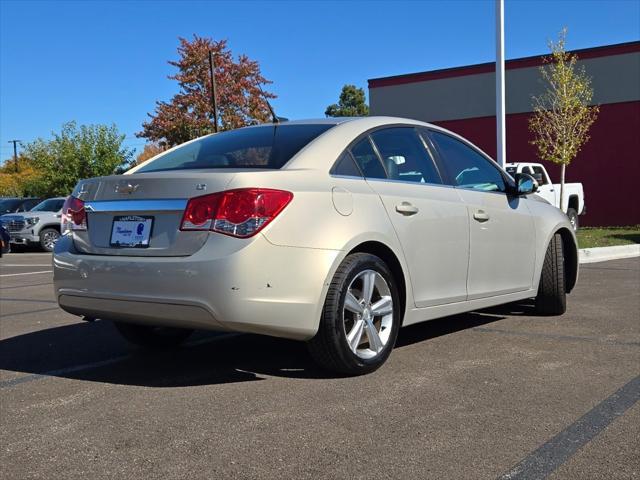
(239, 213)
(74, 216)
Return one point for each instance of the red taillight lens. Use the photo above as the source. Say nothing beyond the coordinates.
(239, 213)
(74, 216)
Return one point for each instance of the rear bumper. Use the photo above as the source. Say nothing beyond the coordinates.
(257, 288)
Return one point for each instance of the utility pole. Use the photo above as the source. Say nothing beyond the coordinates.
(15, 152)
(501, 139)
(214, 106)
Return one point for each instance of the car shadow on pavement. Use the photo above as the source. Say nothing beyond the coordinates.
(95, 352)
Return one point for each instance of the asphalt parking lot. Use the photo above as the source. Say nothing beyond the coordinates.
(491, 394)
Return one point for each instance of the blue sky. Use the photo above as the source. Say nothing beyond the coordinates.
(104, 62)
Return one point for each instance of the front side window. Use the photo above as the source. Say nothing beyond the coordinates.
(467, 168)
(266, 146)
(367, 159)
(404, 156)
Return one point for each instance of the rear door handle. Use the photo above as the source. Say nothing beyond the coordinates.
(405, 208)
(481, 216)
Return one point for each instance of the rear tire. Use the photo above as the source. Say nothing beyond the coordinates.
(48, 239)
(151, 337)
(552, 296)
(358, 330)
(572, 214)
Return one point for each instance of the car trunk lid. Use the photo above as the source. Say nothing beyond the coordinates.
(117, 205)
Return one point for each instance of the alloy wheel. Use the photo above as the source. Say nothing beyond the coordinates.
(368, 314)
(50, 239)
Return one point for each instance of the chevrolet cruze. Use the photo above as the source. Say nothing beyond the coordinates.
(335, 232)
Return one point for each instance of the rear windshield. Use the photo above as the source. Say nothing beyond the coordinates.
(268, 146)
(50, 205)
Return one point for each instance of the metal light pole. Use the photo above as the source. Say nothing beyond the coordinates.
(501, 140)
(214, 105)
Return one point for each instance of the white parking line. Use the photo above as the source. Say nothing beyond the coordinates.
(26, 273)
(25, 265)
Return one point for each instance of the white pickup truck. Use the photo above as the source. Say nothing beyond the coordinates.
(573, 202)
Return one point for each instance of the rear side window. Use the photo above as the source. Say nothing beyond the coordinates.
(346, 166)
(404, 156)
(467, 167)
(367, 159)
(266, 146)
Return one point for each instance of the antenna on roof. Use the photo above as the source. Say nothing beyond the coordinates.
(274, 117)
(214, 106)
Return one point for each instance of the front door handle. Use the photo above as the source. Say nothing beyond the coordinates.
(481, 216)
(405, 208)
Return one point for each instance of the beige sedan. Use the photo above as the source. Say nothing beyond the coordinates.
(336, 232)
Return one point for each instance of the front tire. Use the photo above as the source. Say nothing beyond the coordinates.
(360, 319)
(552, 295)
(48, 239)
(572, 214)
(151, 337)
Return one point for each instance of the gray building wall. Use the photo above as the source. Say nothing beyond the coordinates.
(615, 78)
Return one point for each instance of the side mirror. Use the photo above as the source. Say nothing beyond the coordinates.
(525, 184)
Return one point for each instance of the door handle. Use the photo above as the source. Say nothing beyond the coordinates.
(405, 208)
(481, 216)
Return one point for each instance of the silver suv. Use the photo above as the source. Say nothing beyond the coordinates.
(40, 225)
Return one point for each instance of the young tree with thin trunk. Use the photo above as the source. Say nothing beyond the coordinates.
(563, 113)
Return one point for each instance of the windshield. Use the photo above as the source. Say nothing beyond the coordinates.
(50, 205)
(9, 205)
(268, 146)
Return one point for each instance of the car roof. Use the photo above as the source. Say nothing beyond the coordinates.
(322, 152)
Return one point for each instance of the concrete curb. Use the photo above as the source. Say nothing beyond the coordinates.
(602, 254)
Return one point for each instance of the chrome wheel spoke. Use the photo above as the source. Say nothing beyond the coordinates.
(375, 343)
(382, 307)
(352, 304)
(355, 335)
(368, 282)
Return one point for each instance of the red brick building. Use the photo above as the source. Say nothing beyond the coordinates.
(463, 100)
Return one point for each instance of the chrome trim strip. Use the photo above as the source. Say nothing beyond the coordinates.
(159, 205)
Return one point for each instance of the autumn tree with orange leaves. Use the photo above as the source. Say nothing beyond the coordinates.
(189, 114)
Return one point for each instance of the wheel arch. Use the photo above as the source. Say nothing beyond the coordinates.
(570, 251)
(54, 226)
(574, 202)
(387, 255)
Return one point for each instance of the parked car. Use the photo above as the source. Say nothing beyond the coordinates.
(335, 232)
(17, 205)
(5, 244)
(573, 203)
(41, 225)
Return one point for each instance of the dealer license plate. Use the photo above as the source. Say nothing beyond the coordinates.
(131, 231)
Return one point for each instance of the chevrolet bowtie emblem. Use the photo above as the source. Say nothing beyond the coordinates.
(128, 188)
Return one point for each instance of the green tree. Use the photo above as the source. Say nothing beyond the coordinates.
(563, 113)
(351, 104)
(189, 113)
(76, 153)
